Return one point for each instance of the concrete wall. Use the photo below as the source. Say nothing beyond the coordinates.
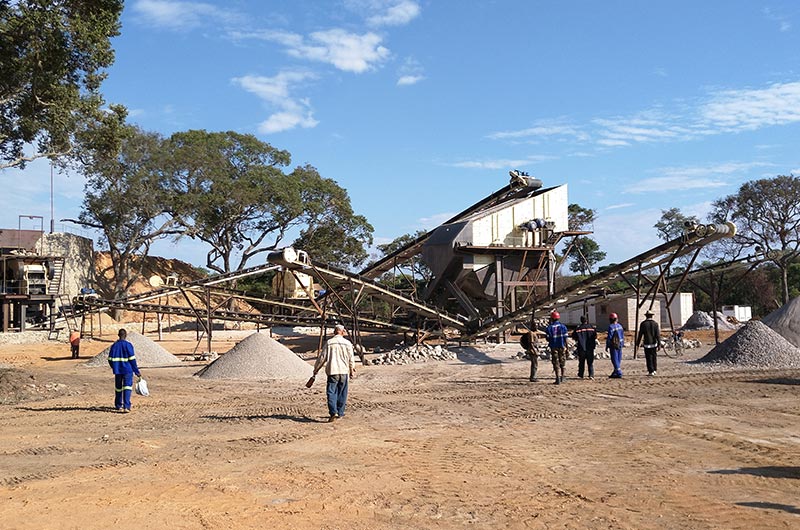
(78, 254)
(682, 308)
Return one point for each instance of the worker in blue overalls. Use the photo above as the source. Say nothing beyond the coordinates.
(615, 341)
(122, 360)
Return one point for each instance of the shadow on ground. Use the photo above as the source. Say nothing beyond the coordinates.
(470, 355)
(777, 381)
(766, 471)
(72, 408)
(256, 417)
(771, 506)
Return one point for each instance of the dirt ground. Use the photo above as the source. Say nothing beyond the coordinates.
(466, 443)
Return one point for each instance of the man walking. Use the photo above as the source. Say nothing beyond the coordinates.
(528, 341)
(557, 340)
(615, 341)
(649, 335)
(585, 337)
(122, 360)
(339, 361)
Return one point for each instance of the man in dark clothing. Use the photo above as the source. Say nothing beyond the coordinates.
(650, 337)
(528, 343)
(585, 337)
(122, 360)
(557, 340)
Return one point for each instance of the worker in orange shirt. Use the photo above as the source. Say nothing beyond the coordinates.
(75, 343)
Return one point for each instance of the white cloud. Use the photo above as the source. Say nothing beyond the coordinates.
(697, 177)
(618, 206)
(720, 112)
(346, 51)
(795, 172)
(409, 80)
(276, 91)
(612, 143)
(624, 234)
(410, 73)
(181, 15)
(543, 128)
(395, 14)
(720, 170)
(784, 24)
(676, 183)
(499, 163)
(660, 71)
(737, 110)
(427, 223)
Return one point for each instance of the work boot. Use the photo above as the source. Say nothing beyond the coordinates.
(558, 381)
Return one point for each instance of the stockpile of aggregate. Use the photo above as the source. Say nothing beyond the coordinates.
(258, 357)
(755, 345)
(415, 354)
(147, 352)
(702, 320)
(786, 321)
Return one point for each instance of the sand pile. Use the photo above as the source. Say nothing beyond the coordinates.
(755, 345)
(786, 321)
(258, 357)
(148, 353)
(702, 320)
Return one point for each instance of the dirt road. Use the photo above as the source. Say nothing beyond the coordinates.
(467, 443)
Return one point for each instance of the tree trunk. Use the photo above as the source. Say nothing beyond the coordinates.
(785, 282)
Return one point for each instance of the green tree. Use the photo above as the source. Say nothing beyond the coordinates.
(233, 194)
(580, 218)
(767, 217)
(415, 265)
(127, 198)
(672, 223)
(54, 53)
(585, 253)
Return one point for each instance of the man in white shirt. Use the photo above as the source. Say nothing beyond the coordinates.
(340, 364)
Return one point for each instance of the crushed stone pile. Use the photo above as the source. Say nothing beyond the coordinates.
(755, 345)
(148, 353)
(786, 321)
(258, 357)
(415, 354)
(702, 320)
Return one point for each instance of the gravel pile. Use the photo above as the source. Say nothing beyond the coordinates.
(755, 345)
(702, 320)
(786, 321)
(258, 357)
(26, 337)
(415, 354)
(148, 353)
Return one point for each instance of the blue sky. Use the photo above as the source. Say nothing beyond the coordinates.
(419, 107)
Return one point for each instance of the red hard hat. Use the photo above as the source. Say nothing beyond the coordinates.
(612, 316)
(554, 315)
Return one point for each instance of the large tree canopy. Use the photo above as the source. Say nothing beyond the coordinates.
(672, 223)
(127, 199)
(53, 56)
(767, 215)
(233, 194)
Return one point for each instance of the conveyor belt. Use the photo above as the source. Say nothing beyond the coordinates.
(413, 248)
(655, 257)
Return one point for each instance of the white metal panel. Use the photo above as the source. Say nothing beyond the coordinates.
(500, 226)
